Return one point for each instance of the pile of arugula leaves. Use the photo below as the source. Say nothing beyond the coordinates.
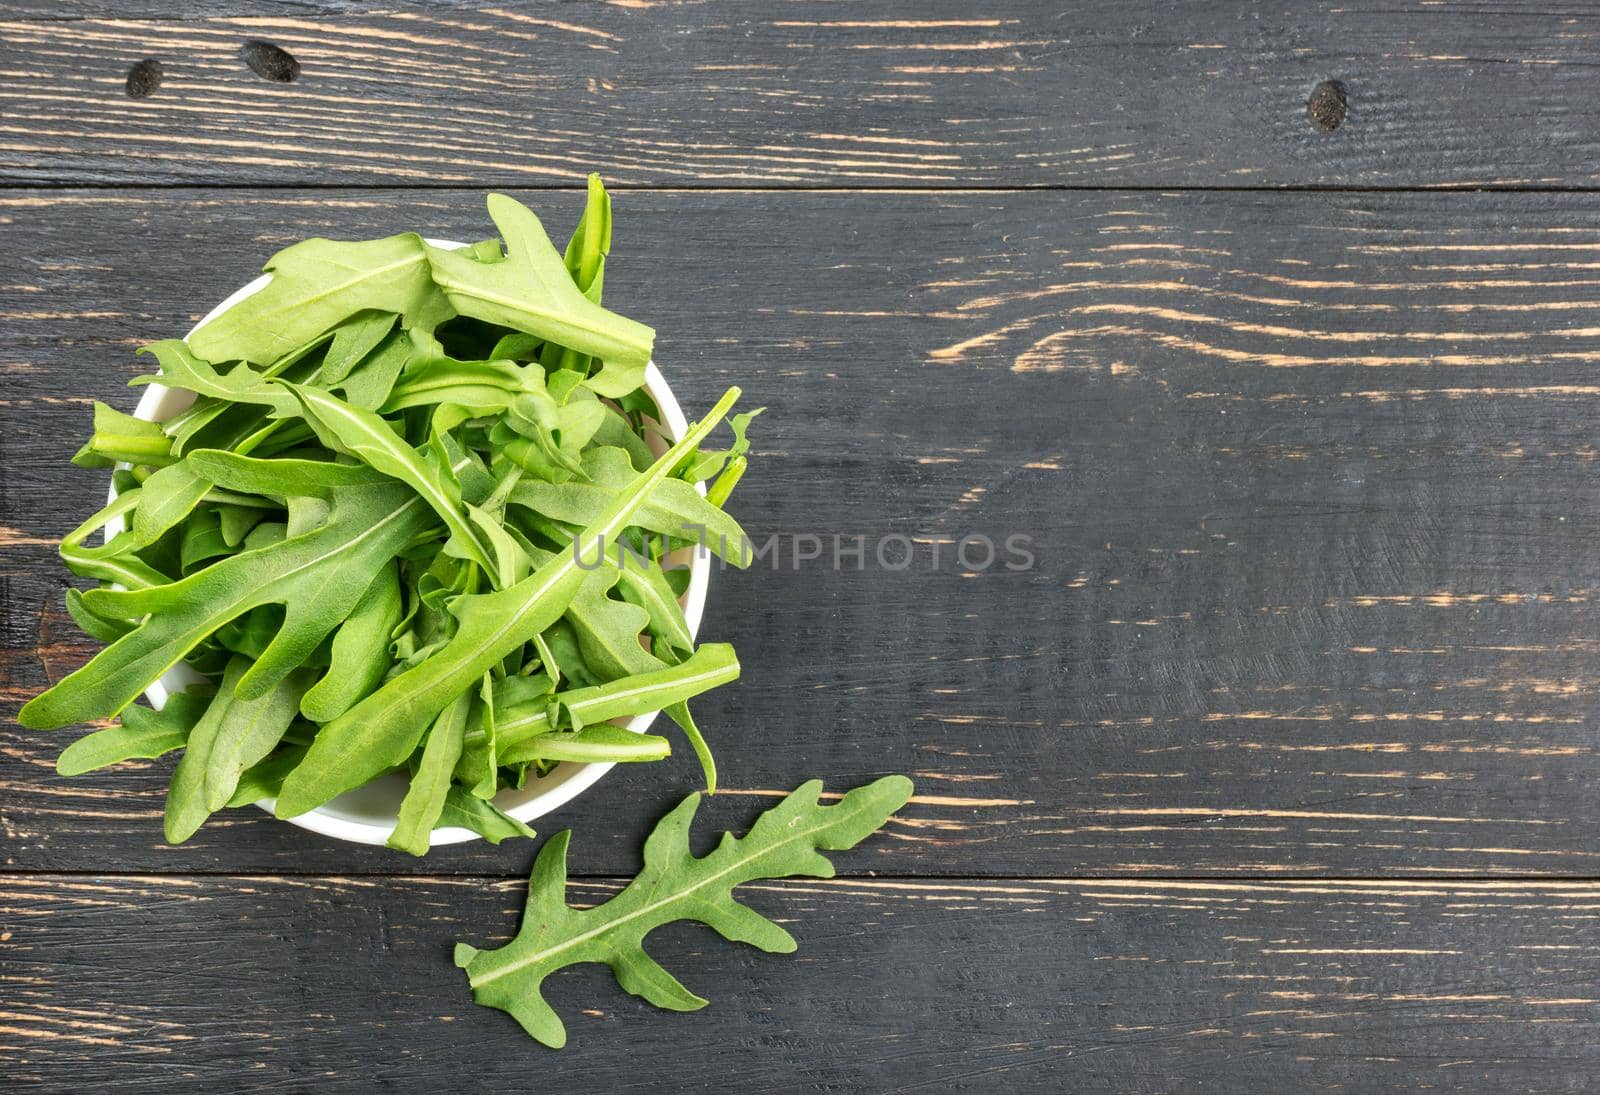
(381, 535)
(411, 522)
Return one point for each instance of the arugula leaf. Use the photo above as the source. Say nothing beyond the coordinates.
(710, 462)
(315, 286)
(107, 563)
(231, 729)
(559, 429)
(353, 340)
(143, 733)
(284, 477)
(482, 386)
(119, 436)
(96, 627)
(596, 745)
(168, 496)
(674, 885)
(235, 523)
(530, 290)
(248, 731)
(617, 432)
(360, 655)
(608, 634)
(180, 368)
(430, 783)
(369, 383)
(646, 585)
(679, 713)
(465, 811)
(520, 720)
(608, 630)
(586, 264)
(201, 541)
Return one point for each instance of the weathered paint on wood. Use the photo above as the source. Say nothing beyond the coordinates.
(1310, 482)
(252, 984)
(808, 93)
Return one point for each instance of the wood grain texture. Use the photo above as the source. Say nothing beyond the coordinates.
(807, 93)
(1310, 481)
(1309, 478)
(250, 984)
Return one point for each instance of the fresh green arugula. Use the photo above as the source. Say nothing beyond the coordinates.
(533, 291)
(414, 525)
(367, 535)
(786, 841)
(315, 286)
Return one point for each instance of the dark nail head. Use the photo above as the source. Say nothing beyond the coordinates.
(1327, 105)
(144, 78)
(270, 62)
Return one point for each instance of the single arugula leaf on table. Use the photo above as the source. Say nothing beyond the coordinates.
(786, 841)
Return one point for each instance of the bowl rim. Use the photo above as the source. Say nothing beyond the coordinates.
(539, 796)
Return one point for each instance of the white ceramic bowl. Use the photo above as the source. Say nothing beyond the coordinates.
(367, 814)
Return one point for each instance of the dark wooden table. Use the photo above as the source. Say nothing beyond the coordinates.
(1277, 771)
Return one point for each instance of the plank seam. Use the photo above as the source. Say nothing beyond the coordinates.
(25, 187)
(875, 876)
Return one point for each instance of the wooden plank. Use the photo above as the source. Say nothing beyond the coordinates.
(806, 93)
(1309, 478)
(1024, 986)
